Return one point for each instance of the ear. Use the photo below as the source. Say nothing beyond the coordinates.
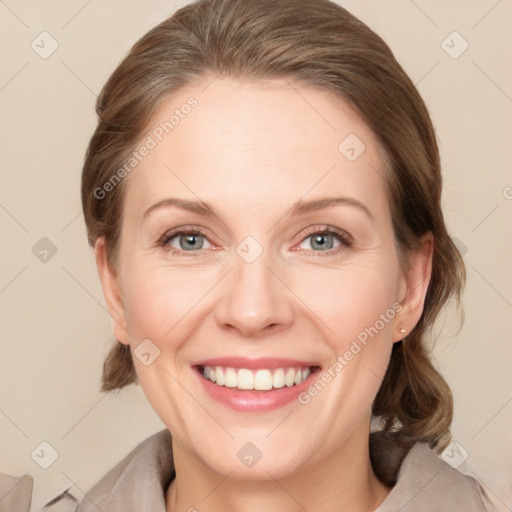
(111, 290)
(414, 285)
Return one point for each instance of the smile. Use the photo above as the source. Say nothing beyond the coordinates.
(264, 379)
(254, 385)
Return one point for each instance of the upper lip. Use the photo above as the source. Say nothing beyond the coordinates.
(254, 363)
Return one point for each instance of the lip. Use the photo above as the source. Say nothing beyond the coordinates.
(251, 400)
(254, 363)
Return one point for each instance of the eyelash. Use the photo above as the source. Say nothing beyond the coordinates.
(345, 239)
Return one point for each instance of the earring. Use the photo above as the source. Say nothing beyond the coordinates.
(401, 330)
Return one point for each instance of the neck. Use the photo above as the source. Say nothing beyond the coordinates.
(344, 480)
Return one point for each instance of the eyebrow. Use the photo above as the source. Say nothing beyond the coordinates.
(299, 207)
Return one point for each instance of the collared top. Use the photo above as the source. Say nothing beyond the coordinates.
(425, 483)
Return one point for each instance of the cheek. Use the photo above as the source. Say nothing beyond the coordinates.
(160, 301)
(355, 309)
(162, 305)
(351, 298)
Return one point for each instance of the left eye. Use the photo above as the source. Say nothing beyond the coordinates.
(323, 240)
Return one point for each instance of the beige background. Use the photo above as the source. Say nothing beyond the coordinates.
(54, 326)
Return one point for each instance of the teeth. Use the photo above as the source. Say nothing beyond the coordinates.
(219, 376)
(278, 378)
(260, 380)
(230, 378)
(245, 379)
(289, 377)
(263, 380)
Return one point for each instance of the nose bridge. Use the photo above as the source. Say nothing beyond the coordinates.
(254, 298)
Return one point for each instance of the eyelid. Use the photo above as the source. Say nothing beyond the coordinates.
(171, 233)
(326, 228)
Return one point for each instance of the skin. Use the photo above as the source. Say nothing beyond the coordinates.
(251, 149)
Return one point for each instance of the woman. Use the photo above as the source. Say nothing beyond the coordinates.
(262, 193)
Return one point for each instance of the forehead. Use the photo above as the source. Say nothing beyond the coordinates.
(252, 143)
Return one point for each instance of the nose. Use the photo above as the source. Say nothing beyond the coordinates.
(255, 299)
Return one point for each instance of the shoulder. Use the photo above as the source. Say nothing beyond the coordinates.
(425, 483)
(138, 482)
(15, 492)
(16, 495)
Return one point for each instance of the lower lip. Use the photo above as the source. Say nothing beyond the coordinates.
(254, 401)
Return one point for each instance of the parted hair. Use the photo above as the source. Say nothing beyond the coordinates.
(314, 43)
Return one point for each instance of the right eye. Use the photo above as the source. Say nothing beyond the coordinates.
(181, 240)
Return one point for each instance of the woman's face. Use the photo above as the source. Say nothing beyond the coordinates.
(255, 283)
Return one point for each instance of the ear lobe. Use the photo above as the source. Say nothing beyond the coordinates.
(111, 291)
(416, 281)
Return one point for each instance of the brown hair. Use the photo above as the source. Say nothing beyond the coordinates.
(319, 44)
